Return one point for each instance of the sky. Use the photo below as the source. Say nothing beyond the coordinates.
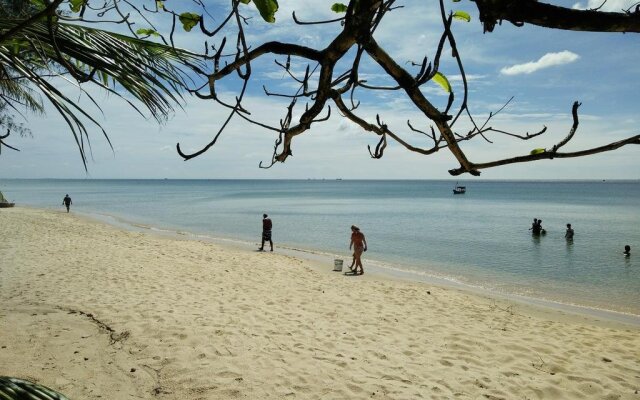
(544, 70)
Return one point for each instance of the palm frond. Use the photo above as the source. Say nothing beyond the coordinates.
(14, 92)
(16, 389)
(153, 73)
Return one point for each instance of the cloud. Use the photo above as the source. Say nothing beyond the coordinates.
(611, 5)
(546, 61)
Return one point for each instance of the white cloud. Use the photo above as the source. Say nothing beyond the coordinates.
(546, 61)
(610, 5)
(470, 77)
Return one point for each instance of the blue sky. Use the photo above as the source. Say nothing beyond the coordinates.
(544, 70)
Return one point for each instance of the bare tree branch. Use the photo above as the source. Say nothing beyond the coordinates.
(551, 16)
(550, 155)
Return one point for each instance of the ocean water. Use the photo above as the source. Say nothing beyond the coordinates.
(481, 238)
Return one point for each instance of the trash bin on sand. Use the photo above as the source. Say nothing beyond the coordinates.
(337, 265)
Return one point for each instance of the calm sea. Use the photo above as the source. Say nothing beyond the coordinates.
(481, 238)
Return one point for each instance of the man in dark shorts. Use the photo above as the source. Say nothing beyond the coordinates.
(67, 202)
(266, 231)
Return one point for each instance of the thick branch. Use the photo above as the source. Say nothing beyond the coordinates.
(408, 83)
(269, 47)
(551, 16)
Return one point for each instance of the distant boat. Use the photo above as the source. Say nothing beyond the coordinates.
(459, 189)
(4, 203)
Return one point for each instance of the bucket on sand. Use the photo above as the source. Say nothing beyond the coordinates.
(337, 265)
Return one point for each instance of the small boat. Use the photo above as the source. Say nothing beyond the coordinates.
(459, 189)
(4, 203)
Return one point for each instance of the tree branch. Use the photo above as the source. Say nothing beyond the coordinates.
(550, 155)
(550, 16)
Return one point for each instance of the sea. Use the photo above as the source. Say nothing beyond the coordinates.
(414, 228)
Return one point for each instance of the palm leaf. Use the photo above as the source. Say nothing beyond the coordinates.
(153, 73)
(18, 389)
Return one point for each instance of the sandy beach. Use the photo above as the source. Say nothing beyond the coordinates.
(97, 312)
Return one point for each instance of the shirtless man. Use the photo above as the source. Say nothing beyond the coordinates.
(359, 244)
(569, 234)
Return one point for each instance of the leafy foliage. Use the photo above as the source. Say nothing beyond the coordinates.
(76, 5)
(267, 9)
(189, 20)
(339, 8)
(41, 38)
(442, 80)
(48, 46)
(462, 15)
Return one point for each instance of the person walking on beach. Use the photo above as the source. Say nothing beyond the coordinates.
(359, 244)
(569, 234)
(266, 231)
(67, 202)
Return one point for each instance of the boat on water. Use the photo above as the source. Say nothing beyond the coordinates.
(459, 189)
(4, 203)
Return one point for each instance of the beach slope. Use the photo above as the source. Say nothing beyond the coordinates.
(96, 312)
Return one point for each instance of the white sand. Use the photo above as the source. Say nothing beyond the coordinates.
(100, 313)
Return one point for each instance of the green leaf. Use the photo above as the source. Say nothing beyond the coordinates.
(105, 78)
(245, 1)
(147, 32)
(189, 20)
(39, 4)
(338, 8)
(442, 81)
(267, 9)
(537, 151)
(160, 4)
(461, 15)
(456, 1)
(76, 5)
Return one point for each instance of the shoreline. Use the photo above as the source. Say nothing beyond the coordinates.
(95, 311)
(477, 248)
(323, 262)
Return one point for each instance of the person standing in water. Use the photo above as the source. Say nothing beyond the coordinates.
(266, 231)
(359, 244)
(535, 227)
(627, 251)
(569, 234)
(67, 202)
